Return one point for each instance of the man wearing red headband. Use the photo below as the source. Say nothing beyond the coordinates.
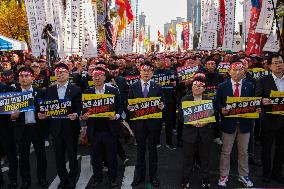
(28, 130)
(169, 93)
(65, 132)
(144, 129)
(213, 79)
(234, 128)
(103, 132)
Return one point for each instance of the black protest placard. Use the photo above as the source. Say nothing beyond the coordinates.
(145, 108)
(277, 102)
(164, 79)
(186, 73)
(58, 108)
(243, 107)
(98, 105)
(130, 79)
(16, 101)
(198, 111)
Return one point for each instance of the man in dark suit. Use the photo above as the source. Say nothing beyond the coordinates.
(234, 128)
(272, 125)
(8, 142)
(28, 130)
(144, 129)
(65, 132)
(103, 132)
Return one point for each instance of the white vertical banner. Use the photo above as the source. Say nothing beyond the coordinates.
(72, 29)
(191, 34)
(58, 24)
(67, 29)
(214, 15)
(207, 34)
(41, 21)
(75, 29)
(266, 17)
(49, 7)
(228, 38)
(246, 20)
(272, 44)
(35, 33)
(90, 34)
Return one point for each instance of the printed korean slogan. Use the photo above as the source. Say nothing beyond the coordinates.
(130, 79)
(185, 73)
(59, 108)
(164, 79)
(98, 105)
(243, 107)
(257, 73)
(198, 112)
(21, 101)
(145, 108)
(223, 68)
(277, 100)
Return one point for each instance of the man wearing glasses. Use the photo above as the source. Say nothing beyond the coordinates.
(272, 124)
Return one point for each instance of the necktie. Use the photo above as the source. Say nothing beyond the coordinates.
(237, 91)
(145, 91)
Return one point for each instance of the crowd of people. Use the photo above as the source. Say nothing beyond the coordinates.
(218, 75)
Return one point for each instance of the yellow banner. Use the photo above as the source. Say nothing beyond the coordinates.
(243, 107)
(91, 83)
(198, 112)
(99, 105)
(145, 108)
(277, 103)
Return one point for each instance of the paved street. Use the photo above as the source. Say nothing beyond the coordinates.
(170, 164)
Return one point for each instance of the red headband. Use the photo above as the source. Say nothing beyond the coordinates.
(211, 62)
(200, 75)
(61, 69)
(101, 65)
(113, 71)
(145, 67)
(236, 65)
(98, 72)
(26, 73)
(199, 83)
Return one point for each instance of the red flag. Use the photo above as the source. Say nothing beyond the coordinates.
(222, 19)
(161, 38)
(129, 12)
(185, 35)
(256, 41)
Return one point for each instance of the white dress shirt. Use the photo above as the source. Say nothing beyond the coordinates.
(61, 90)
(29, 116)
(279, 82)
(143, 85)
(102, 91)
(234, 86)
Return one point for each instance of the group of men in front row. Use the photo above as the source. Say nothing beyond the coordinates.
(103, 132)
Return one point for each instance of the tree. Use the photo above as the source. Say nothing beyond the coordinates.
(13, 21)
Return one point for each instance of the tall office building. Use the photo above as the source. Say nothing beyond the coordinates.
(194, 14)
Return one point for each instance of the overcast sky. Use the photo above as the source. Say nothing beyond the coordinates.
(158, 12)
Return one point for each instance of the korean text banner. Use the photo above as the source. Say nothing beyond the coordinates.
(21, 101)
(130, 79)
(164, 79)
(223, 67)
(277, 100)
(145, 108)
(186, 73)
(198, 112)
(243, 107)
(98, 105)
(57, 108)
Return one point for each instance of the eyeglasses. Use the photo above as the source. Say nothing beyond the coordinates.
(277, 62)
